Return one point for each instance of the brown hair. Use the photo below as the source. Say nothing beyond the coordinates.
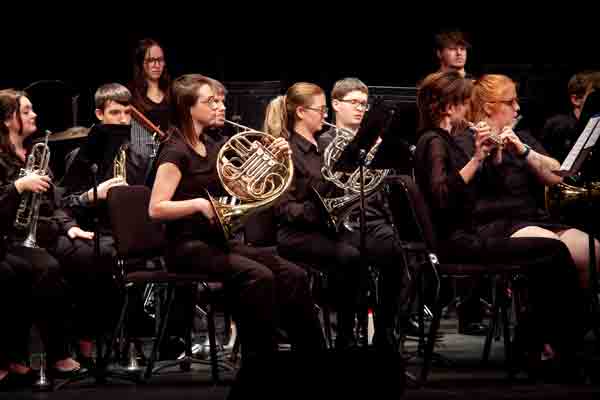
(438, 91)
(281, 112)
(579, 84)
(489, 88)
(184, 94)
(10, 102)
(139, 85)
(112, 92)
(344, 86)
(444, 40)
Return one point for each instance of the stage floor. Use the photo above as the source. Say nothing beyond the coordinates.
(464, 378)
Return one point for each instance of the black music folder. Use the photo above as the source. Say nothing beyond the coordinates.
(393, 152)
(372, 127)
(581, 149)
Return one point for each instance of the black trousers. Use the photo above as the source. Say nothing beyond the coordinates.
(384, 252)
(341, 261)
(35, 294)
(263, 291)
(91, 284)
(556, 298)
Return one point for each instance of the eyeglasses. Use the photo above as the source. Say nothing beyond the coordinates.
(510, 102)
(359, 105)
(212, 103)
(158, 60)
(322, 110)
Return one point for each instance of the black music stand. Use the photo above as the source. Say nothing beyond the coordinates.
(93, 163)
(354, 156)
(580, 152)
(394, 152)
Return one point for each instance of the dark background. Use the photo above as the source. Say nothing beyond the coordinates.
(541, 58)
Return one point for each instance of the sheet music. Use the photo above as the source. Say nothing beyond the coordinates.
(581, 142)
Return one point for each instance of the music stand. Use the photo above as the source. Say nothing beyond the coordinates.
(393, 151)
(580, 152)
(93, 162)
(354, 156)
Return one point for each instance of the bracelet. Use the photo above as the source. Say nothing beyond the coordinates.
(527, 150)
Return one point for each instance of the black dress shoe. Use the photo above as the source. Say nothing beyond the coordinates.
(474, 329)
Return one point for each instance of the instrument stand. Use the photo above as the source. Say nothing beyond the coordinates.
(581, 151)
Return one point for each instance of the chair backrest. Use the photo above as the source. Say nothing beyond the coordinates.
(410, 211)
(136, 235)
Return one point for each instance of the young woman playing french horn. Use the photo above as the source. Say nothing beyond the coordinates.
(265, 291)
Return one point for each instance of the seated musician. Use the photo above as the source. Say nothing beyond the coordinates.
(450, 179)
(508, 202)
(302, 235)
(33, 289)
(561, 131)
(92, 279)
(349, 100)
(262, 286)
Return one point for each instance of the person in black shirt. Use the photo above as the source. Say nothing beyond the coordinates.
(349, 100)
(151, 81)
(39, 289)
(450, 179)
(92, 279)
(302, 235)
(451, 49)
(561, 131)
(508, 205)
(259, 282)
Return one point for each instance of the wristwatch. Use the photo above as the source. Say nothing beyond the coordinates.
(526, 153)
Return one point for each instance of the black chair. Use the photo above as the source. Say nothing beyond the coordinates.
(261, 231)
(411, 211)
(138, 238)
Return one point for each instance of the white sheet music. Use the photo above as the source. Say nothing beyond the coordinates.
(591, 132)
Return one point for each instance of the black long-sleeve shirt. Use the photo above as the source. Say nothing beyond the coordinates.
(53, 220)
(438, 160)
(298, 208)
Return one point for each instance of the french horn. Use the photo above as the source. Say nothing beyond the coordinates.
(337, 210)
(254, 172)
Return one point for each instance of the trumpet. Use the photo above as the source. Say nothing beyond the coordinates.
(120, 163)
(29, 207)
(254, 173)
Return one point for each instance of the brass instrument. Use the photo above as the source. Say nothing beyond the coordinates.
(564, 196)
(338, 209)
(29, 207)
(254, 173)
(120, 163)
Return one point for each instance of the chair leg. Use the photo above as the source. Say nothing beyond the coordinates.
(327, 322)
(212, 339)
(508, 351)
(430, 344)
(118, 328)
(161, 332)
(492, 329)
